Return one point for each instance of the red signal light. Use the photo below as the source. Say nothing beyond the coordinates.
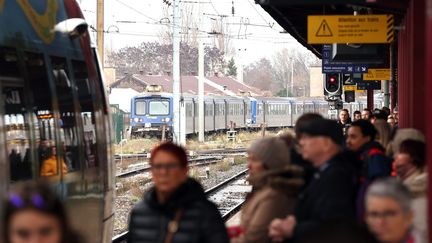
(332, 79)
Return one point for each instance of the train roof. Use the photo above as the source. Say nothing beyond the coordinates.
(30, 35)
(150, 94)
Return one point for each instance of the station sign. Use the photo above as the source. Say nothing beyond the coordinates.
(330, 66)
(363, 29)
(377, 74)
(369, 85)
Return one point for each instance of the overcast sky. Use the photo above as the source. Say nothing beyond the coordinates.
(261, 41)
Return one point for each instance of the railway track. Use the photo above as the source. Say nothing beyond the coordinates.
(145, 156)
(195, 162)
(212, 193)
(198, 158)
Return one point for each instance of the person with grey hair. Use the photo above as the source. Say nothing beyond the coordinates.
(388, 212)
(275, 185)
(331, 193)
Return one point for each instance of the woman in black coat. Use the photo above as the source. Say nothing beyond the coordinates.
(176, 209)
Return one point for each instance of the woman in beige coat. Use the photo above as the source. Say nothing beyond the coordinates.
(275, 184)
(410, 169)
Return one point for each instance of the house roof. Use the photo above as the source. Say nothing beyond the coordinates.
(189, 84)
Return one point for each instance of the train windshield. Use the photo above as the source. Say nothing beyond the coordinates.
(140, 107)
(159, 107)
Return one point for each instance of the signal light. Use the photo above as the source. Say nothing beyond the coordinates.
(332, 84)
(349, 96)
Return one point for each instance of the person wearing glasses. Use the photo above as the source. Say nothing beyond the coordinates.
(175, 209)
(388, 212)
(33, 213)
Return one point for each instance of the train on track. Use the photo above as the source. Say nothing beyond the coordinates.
(53, 106)
(152, 112)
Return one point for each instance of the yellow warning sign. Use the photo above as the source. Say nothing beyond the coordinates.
(326, 29)
(377, 74)
(350, 87)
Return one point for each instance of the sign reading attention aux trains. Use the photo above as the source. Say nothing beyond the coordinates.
(325, 29)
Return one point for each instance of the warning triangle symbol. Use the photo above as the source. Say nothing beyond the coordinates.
(324, 30)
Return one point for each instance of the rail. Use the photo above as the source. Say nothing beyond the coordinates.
(123, 236)
(194, 163)
(199, 152)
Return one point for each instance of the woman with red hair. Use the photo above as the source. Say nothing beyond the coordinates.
(176, 209)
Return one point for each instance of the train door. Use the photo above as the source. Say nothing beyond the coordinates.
(17, 161)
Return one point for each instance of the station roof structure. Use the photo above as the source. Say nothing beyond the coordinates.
(292, 14)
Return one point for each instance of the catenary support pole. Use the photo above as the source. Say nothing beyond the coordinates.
(200, 84)
(176, 71)
(100, 30)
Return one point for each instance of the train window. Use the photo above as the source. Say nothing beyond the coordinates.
(85, 98)
(15, 119)
(159, 107)
(188, 109)
(140, 107)
(43, 114)
(68, 121)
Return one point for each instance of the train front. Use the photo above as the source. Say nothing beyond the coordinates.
(151, 115)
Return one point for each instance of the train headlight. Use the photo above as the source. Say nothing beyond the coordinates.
(136, 119)
(167, 119)
(141, 120)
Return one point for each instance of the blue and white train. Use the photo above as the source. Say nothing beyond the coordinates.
(153, 112)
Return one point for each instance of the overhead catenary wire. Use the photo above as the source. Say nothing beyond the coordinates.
(158, 21)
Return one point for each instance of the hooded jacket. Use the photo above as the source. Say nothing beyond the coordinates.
(375, 162)
(273, 196)
(200, 220)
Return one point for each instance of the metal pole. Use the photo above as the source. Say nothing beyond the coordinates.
(100, 30)
(240, 64)
(176, 71)
(370, 99)
(200, 84)
(201, 92)
(392, 78)
(292, 76)
(387, 92)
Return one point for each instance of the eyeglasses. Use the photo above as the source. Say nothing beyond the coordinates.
(166, 166)
(27, 234)
(385, 214)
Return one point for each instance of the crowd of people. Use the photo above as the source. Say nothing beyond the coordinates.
(359, 180)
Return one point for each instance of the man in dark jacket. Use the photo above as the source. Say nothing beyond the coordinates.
(344, 120)
(176, 210)
(361, 140)
(375, 164)
(331, 193)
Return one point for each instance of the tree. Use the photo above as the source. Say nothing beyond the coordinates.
(232, 69)
(189, 25)
(260, 75)
(283, 93)
(156, 58)
(300, 60)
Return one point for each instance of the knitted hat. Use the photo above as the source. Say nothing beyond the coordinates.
(324, 128)
(272, 152)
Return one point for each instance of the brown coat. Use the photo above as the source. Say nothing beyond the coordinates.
(417, 184)
(273, 196)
